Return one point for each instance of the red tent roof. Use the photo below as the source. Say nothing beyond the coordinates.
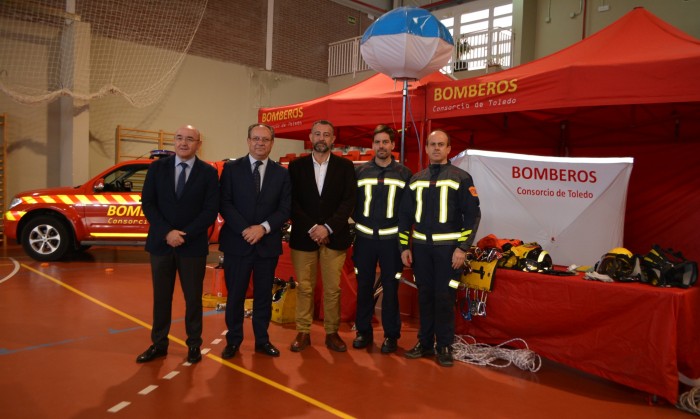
(355, 111)
(638, 59)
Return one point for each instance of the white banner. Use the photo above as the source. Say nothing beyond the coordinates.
(573, 207)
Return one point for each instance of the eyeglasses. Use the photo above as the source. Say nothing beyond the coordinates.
(260, 139)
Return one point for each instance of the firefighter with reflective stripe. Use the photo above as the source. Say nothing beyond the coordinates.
(442, 206)
(380, 185)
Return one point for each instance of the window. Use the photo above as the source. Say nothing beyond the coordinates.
(483, 37)
(126, 179)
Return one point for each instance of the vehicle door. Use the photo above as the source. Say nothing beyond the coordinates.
(114, 214)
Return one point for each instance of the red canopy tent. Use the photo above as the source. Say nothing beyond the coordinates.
(631, 89)
(356, 111)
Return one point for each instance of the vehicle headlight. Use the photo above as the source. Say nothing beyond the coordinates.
(15, 201)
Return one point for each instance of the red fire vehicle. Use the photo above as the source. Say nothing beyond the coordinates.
(106, 210)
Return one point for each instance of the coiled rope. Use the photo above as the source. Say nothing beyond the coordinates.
(465, 349)
(690, 401)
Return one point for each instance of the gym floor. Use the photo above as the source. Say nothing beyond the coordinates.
(70, 333)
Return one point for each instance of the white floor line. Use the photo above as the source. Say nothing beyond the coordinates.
(117, 407)
(171, 375)
(148, 389)
(14, 271)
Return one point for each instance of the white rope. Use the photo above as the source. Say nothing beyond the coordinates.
(690, 401)
(465, 349)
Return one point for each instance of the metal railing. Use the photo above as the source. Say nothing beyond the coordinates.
(473, 51)
(344, 57)
(482, 50)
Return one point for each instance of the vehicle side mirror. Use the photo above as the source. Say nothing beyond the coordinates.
(99, 185)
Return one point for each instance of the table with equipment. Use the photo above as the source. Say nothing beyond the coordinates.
(630, 333)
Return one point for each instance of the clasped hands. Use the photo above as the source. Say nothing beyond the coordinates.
(319, 234)
(253, 233)
(175, 238)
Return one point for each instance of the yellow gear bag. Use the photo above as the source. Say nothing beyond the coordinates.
(480, 275)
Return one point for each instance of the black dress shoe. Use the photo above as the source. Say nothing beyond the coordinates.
(267, 349)
(229, 351)
(444, 356)
(362, 341)
(151, 353)
(419, 351)
(389, 346)
(194, 355)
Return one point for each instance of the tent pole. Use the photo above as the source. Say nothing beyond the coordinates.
(403, 120)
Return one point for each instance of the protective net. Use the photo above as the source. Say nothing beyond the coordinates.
(88, 49)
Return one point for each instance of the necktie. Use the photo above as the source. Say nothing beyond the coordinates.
(181, 180)
(256, 175)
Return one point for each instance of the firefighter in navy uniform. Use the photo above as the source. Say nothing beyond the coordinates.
(442, 206)
(380, 185)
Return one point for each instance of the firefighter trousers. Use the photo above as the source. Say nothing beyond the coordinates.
(432, 267)
(366, 254)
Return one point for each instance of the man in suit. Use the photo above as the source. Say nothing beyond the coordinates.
(255, 203)
(180, 199)
(323, 198)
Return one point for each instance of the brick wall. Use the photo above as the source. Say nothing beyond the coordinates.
(235, 31)
(303, 30)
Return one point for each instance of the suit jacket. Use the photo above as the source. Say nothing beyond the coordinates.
(333, 206)
(240, 207)
(193, 213)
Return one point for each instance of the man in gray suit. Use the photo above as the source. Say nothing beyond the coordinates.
(255, 203)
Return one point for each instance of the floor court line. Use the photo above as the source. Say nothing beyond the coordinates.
(230, 365)
(16, 265)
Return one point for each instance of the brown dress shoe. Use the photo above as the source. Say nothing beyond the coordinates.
(301, 342)
(335, 343)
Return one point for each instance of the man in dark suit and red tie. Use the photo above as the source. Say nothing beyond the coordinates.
(323, 199)
(180, 199)
(255, 203)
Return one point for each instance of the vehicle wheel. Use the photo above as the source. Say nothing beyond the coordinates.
(46, 238)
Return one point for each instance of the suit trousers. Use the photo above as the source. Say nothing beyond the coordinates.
(306, 268)
(432, 267)
(237, 270)
(366, 254)
(163, 271)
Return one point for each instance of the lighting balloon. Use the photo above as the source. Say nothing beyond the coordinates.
(407, 43)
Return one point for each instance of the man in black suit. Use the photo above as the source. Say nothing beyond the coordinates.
(323, 198)
(180, 199)
(255, 203)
